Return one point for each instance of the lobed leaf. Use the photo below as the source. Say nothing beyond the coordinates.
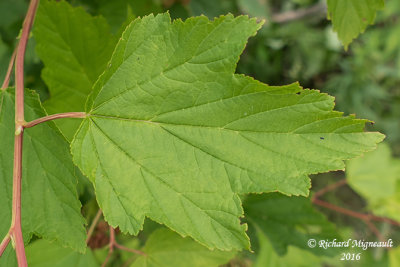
(173, 134)
(50, 205)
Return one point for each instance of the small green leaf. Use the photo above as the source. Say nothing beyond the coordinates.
(42, 253)
(174, 134)
(351, 17)
(75, 49)
(165, 248)
(294, 257)
(50, 205)
(289, 221)
(376, 177)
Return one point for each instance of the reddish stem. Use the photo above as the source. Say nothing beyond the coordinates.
(4, 243)
(364, 217)
(329, 188)
(55, 117)
(110, 246)
(383, 219)
(16, 229)
(114, 244)
(339, 209)
(93, 225)
(19, 61)
(9, 71)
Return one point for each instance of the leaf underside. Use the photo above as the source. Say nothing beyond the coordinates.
(173, 134)
(50, 205)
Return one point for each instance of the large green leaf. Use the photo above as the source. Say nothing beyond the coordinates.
(165, 248)
(289, 221)
(75, 49)
(50, 205)
(42, 253)
(376, 177)
(173, 134)
(351, 17)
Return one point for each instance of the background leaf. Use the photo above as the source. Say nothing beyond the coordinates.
(117, 12)
(289, 221)
(255, 8)
(350, 18)
(165, 248)
(294, 257)
(50, 205)
(211, 9)
(376, 177)
(11, 11)
(75, 49)
(42, 253)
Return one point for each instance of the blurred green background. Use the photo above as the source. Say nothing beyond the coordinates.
(296, 43)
